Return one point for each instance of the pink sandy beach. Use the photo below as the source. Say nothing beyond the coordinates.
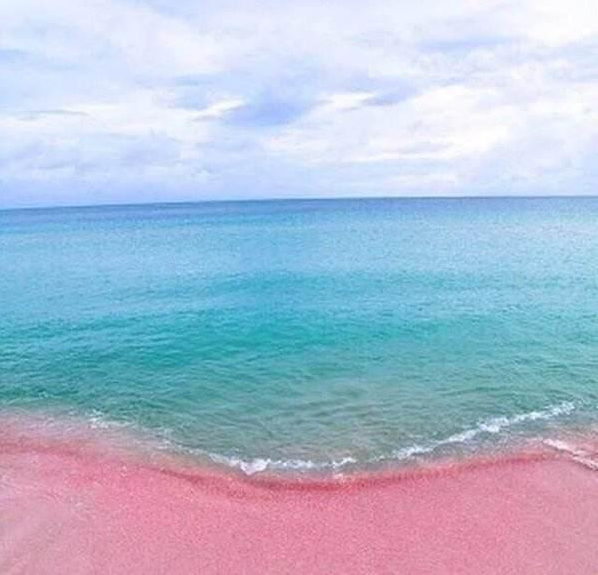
(69, 508)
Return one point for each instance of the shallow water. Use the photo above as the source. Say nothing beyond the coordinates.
(306, 334)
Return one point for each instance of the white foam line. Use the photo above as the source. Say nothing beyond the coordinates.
(260, 464)
(491, 426)
(580, 456)
(497, 424)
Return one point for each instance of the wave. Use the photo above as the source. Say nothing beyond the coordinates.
(497, 424)
(577, 454)
(491, 426)
(163, 440)
(260, 464)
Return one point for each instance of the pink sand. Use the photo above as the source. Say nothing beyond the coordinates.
(70, 508)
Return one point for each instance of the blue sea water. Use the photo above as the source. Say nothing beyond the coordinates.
(306, 334)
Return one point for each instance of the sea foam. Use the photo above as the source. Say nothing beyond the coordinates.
(491, 426)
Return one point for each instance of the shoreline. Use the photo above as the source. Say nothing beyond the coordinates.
(93, 429)
(73, 505)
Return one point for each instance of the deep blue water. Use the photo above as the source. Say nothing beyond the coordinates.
(299, 333)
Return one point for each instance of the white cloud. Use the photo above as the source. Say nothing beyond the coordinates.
(442, 124)
(219, 109)
(388, 97)
(127, 36)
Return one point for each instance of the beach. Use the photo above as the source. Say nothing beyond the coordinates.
(71, 505)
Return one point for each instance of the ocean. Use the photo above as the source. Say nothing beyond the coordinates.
(305, 336)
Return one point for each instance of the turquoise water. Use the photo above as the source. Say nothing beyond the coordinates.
(306, 334)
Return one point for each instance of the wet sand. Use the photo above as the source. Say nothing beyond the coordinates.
(68, 506)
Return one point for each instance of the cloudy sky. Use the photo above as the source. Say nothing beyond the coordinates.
(155, 100)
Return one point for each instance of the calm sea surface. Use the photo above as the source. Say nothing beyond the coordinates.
(306, 334)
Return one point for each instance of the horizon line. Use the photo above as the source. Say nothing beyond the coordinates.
(296, 199)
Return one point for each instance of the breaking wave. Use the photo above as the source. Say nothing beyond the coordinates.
(490, 426)
(164, 440)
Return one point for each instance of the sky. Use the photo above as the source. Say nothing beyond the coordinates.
(110, 101)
